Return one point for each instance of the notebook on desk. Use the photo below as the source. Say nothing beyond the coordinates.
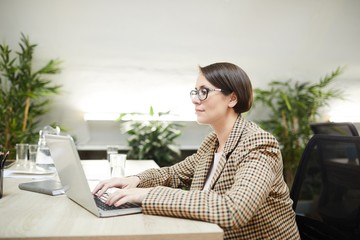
(67, 163)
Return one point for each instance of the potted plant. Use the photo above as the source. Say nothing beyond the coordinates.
(293, 106)
(151, 138)
(23, 94)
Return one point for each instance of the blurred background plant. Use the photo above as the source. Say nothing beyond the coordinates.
(293, 106)
(150, 137)
(24, 95)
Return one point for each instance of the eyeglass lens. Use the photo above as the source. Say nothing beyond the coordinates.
(201, 93)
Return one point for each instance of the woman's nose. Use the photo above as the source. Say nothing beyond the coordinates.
(195, 100)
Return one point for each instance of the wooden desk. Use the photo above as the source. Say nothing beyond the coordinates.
(26, 214)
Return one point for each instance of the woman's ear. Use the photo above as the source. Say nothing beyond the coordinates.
(233, 100)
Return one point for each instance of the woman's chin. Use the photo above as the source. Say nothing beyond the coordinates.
(201, 120)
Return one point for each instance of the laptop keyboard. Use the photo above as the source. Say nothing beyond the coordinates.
(106, 207)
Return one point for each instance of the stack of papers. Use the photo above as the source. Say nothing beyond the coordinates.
(33, 172)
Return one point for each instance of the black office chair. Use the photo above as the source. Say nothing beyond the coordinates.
(335, 128)
(326, 188)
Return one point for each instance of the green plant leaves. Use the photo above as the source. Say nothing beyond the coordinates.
(24, 93)
(152, 139)
(294, 105)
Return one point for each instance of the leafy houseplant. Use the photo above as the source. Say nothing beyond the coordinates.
(293, 106)
(23, 94)
(152, 139)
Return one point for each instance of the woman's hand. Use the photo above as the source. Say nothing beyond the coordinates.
(125, 183)
(121, 196)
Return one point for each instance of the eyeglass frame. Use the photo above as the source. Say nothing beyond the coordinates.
(195, 92)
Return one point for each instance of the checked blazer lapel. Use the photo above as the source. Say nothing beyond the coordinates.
(203, 168)
(202, 172)
(218, 170)
(230, 145)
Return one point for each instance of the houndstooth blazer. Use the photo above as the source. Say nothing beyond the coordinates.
(248, 198)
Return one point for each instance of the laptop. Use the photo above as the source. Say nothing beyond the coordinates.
(68, 165)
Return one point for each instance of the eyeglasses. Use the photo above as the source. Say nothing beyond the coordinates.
(203, 93)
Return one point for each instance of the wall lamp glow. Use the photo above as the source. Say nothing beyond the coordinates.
(99, 116)
(345, 113)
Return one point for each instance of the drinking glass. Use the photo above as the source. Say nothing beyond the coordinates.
(117, 164)
(32, 154)
(111, 149)
(22, 153)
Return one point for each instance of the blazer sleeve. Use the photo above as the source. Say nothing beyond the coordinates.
(177, 176)
(250, 174)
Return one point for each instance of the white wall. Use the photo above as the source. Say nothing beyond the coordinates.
(125, 55)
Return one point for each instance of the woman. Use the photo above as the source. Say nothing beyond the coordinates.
(235, 178)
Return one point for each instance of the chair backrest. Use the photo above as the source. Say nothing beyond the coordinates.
(326, 187)
(335, 128)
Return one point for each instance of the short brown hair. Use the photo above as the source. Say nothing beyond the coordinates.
(231, 78)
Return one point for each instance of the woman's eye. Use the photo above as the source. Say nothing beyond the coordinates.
(203, 91)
